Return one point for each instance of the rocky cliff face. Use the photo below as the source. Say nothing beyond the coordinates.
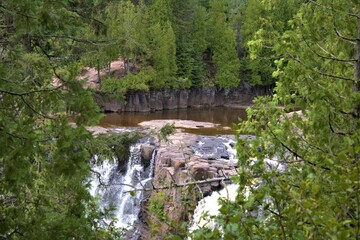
(146, 101)
(183, 159)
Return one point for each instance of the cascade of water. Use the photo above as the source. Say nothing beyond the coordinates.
(128, 209)
(152, 163)
(113, 187)
(230, 146)
(209, 206)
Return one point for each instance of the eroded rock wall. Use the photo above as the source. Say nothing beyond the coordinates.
(146, 101)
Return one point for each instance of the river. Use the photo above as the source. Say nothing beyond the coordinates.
(116, 193)
(226, 117)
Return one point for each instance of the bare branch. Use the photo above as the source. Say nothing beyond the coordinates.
(353, 114)
(324, 88)
(331, 8)
(29, 92)
(98, 175)
(12, 134)
(350, 40)
(282, 144)
(83, 40)
(333, 57)
(179, 185)
(312, 145)
(319, 72)
(16, 12)
(103, 184)
(296, 155)
(34, 110)
(335, 132)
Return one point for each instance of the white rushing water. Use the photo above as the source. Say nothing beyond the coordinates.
(217, 148)
(230, 145)
(113, 187)
(209, 206)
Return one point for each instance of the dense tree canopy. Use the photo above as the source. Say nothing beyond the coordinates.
(44, 162)
(176, 42)
(310, 189)
(311, 48)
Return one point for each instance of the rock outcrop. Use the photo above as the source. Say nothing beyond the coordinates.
(185, 158)
(147, 151)
(147, 101)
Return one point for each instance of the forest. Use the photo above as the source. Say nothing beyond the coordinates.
(309, 51)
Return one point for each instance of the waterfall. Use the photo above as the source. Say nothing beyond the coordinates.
(209, 206)
(221, 148)
(229, 142)
(115, 189)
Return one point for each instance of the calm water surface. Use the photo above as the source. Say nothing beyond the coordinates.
(225, 117)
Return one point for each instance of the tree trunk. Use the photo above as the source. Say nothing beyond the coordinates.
(109, 70)
(239, 49)
(98, 72)
(126, 66)
(356, 87)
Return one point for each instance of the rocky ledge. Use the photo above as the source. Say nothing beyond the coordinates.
(183, 159)
(146, 101)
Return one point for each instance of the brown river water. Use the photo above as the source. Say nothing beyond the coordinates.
(224, 116)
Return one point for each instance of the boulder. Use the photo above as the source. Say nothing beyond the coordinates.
(211, 148)
(177, 163)
(201, 171)
(147, 151)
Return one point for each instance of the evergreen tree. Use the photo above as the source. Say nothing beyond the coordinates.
(161, 12)
(310, 188)
(199, 37)
(162, 45)
(222, 41)
(44, 164)
(164, 56)
(100, 54)
(263, 25)
(191, 41)
(125, 28)
(183, 13)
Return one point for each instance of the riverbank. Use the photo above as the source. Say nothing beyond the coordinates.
(223, 118)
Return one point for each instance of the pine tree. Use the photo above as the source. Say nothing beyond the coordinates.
(125, 27)
(163, 56)
(222, 41)
(162, 42)
(190, 41)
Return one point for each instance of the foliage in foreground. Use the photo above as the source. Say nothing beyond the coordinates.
(316, 192)
(44, 161)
